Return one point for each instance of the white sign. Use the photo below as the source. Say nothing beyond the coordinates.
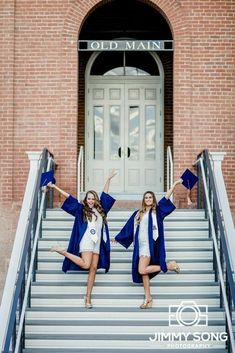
(125, 45)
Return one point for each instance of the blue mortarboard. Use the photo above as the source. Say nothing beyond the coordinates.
(47, 177)
(189, 179)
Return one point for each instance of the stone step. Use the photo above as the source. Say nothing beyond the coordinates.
(163, 289)
(57, 321)
(178, 213)
(127, 342)
(81, 327)
(46, 243)
(119, 350)
(115, 276)
(124, 255)
(181, 233)
(184, 263)
(168, 224)
(127, 301)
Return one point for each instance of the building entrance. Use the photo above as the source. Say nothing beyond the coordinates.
(124, 130)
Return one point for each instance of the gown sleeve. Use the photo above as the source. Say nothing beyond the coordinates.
(106, 201)
(165, 207)
(126, 235)
(71, 205)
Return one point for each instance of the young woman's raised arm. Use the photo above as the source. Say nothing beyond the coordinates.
(106, 185)
(62, 192)
(170, 191)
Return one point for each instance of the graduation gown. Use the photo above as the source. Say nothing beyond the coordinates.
(157, 248)
(75, 208)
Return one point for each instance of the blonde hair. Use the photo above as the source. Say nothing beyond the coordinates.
(143, 209)
(87, 212)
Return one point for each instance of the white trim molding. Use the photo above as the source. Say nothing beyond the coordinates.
(217, 158)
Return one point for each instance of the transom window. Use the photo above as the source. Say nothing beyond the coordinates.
(121, 63)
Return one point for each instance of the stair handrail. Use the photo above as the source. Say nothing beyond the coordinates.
(23, 259)
(169, 169)
(221, 260)
(80, 172)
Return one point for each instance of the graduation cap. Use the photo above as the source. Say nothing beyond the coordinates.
(189, 179)
(47, 177)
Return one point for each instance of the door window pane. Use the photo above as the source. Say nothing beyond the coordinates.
(134, 132)
(115, 142)
(150, 132)
(98, 132)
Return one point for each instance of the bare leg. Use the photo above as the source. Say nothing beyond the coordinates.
(91, 277)
(146, 283)
(145, 268)
(171, 266)
(84, 261)
(189, 201)
(143, 264)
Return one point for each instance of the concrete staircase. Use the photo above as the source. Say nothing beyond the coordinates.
(58, 322)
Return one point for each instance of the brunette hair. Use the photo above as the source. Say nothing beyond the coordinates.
(87, 212)
(143, 209)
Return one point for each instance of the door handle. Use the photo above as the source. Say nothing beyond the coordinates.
(128, 152)
(120, 152)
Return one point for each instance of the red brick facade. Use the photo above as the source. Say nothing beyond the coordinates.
(41, 104)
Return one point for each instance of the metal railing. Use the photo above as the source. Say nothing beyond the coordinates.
(80, 172)
(23, 263)
(208, 198)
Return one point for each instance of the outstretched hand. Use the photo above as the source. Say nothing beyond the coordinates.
(171, 190)
(179, 181)
(50, 185)
(46, 187)
(113, 173)
(106, 186)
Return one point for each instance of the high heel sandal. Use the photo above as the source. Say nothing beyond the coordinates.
(175, 267)
(147, 304)
(88, 305)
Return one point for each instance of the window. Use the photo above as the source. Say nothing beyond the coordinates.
(125, 64)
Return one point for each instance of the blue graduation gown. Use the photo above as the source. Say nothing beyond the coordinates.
(157, 248)
(75, 208)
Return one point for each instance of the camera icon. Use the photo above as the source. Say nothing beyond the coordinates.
(188, 313)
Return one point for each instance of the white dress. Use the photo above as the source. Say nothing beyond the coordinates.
(92, 236)
(143, 236)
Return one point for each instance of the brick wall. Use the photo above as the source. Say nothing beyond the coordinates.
(40, 104)
(41, 77)
(204, 87)
(9, 213)
(7, 18)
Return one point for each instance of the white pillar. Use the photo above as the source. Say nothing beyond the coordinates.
(217, 158)
(21, 232)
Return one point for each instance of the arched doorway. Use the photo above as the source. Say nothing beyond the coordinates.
(124, 125)
(127, 121)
